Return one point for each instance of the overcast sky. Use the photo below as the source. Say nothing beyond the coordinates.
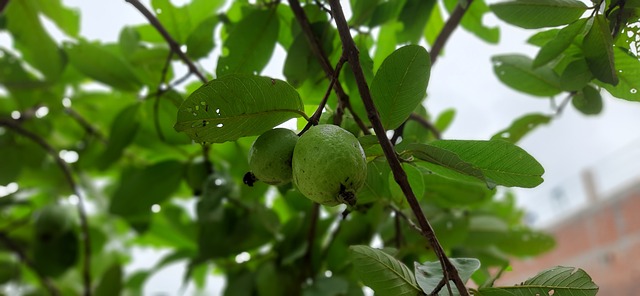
(463, 79)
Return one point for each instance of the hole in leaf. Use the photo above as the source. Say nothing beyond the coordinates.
(219, 125)
(633, 91)
(218, 111)
(551, 292)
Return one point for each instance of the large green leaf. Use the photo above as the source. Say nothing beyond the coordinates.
(628, 67)
(141, 188)
(557, 281)
(400, 84)
(383, 273)
(598, 51)
(557, 45)
(103, 65)
(532, 14)
(447, 163)
(200, 41)
(235, 106)
(37, 47)
(517, 72)
(413, 16)
(576, 75)
(301, 63)
(521, 127)
(500, 161)
(175, 20)
(429, 274)
(250, 43)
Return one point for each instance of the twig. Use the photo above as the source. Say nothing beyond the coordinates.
(66, 170)
(401, 214)
(351, 51)
(333, 237)
(564, 103)
(3, 4)
(311, 236)
(451, 24)
(313, 120)
(175, 47)
(206, 147)
(398, 237)
(84, 123)
(44, 280)
(321, 56)
(428, 125)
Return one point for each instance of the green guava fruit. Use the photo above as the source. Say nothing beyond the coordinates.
(270, 156)
(329, 165)
(52, 221)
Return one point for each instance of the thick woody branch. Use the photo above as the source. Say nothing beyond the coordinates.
(351, 51)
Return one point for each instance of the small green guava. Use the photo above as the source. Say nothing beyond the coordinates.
(270, 156)
(52, 221)
(329, 165)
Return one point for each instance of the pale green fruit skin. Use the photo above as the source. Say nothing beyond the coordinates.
(327, 162)
(270, 156)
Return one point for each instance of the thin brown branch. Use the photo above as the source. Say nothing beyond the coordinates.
(22, 255)
(401, 214)
(427, 124)
(322, 57)
(451, 24)
(3, 5)
(351, 51)
(175, 47)
(564, 103)
(66, 170)
(311, 237)
(398, 228)
(313, 120)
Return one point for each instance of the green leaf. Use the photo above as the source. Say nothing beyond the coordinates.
(376, 187)
(563, 281)
(523, 242)
(37, 47)
(628, 67)
(332, 286)
(250, 43)
(383, 273)
(444, 119)
(101, 64)
(111, 282)
(129, 41)
(434, 25)
(301, 63)
(517, 72)
(235, 106)
(500, 161)
(200, 41)
(451, 193)
(575, 76)
(559, 43)
(414, 17)
(414, 177)
(588, 101)
(521, 127)
(533, 14)
(67, 19)
(598, 51)
(123, 130)
(175, 20)
(140, 188)
(447, 163)
(429, 274)
(472, 20)
(385, 12)
(400, 84)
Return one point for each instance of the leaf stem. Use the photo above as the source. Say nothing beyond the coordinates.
(175, 47)
(451, 24)
(351, 51)
(426, 124)
(66, 170)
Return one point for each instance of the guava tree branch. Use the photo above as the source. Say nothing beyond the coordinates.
(3, 4)
(66, 171)
(399, 174)
(44, 280)
(175, 47)
(325, 64)
(451, 24)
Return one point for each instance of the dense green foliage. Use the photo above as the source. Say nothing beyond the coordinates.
(155, 161)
